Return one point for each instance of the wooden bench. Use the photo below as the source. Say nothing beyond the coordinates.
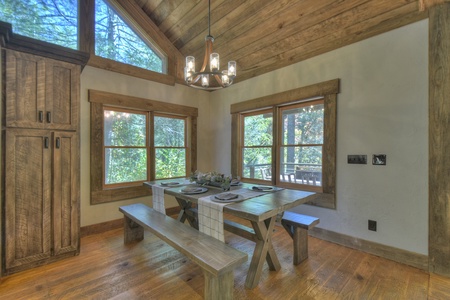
(297, 226)
(215, 258)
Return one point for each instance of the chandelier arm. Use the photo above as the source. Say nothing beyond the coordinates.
(219, 80)
(208, 50)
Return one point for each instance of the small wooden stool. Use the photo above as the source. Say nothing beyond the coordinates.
(297, 226)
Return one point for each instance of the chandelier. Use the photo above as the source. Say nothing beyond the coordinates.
(204, 78)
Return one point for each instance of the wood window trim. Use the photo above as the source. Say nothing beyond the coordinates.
(99, 99)
(328, 90)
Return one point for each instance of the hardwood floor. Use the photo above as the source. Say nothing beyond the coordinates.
(107, 269)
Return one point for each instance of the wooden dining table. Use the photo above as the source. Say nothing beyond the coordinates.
(261, 211)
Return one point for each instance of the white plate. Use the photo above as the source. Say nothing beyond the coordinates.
(237, 199)
(194, 190)
(169, 183)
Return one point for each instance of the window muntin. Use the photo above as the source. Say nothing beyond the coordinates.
(117, 40)
(51, 21)
(170, 146)
(257, 145)
(301, 147)
(125, 147)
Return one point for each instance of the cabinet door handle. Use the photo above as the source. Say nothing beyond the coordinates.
(41, 116)
(58, 143)
(49, 117)
(46, 142)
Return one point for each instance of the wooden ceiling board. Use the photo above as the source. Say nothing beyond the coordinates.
(265, 35)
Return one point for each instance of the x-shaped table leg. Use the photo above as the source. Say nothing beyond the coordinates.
(263, 251)
(182, 216)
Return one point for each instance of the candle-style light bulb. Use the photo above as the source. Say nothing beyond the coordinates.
(205, 80)
(214, 62)
(232, 68)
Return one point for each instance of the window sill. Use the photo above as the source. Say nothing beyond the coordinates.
(114, 66)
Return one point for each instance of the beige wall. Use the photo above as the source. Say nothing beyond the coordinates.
(382, 109)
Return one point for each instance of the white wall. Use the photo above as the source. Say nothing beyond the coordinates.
(97, 79)
(382, 109)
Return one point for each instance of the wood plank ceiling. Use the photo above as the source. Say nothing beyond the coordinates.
(265, 35)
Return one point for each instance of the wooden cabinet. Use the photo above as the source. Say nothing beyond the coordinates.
(40, 201)
(41, 197)
(41, 92)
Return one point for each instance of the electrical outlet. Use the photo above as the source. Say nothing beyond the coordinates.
(357, 159)
(372, 225)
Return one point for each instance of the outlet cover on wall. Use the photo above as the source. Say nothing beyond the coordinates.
(357, 159)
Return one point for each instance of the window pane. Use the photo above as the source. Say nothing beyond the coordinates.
(169, 132)
(257, 162)
(46, 20)
(170, 162)
(258, 130)
(124, 129)
(125, 165)
(303, 125)
(303, 162)
(116, 40)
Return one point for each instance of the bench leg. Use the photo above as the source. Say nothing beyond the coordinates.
(133, 232)
(219, 288)
(300, 238)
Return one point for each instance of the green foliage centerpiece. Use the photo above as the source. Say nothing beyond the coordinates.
(212, 178)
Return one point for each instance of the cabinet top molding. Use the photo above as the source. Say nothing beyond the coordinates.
(13, 41)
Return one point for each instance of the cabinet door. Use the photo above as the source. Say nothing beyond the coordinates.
(66, 182)
(28, 195)
(62, 95)
(41, 92)
(25, 90)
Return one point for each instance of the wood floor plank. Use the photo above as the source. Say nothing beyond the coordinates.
(108, 269)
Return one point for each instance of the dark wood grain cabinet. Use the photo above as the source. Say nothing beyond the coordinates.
(41, 197)
(40, 152)
(41, 92)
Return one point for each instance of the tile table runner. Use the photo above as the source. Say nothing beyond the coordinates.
(210, 213)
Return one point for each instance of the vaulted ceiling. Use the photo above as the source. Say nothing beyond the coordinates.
(265, 35)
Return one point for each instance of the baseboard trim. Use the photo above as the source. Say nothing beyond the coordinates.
(413, 259)
(115, 224)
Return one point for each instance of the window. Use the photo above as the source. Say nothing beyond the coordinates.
(300, 149)
(257, 145)
(125, 147)
(47, 20)
(289, 140)
(144, 141)
(170, 146)
(118, 41)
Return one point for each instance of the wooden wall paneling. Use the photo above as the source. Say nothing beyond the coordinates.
(439, 139)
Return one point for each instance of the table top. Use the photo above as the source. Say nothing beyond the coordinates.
(254, 209)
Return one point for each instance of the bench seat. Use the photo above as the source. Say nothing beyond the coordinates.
(297, 225)
(215, 258)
